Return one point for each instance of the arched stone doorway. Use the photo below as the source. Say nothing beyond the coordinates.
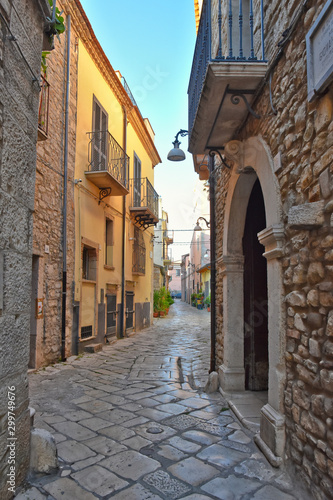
(253, 166)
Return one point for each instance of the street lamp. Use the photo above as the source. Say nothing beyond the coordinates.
(206, 254)
(198, 227)
(177, 154)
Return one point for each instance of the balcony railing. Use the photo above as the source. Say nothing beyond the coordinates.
(168, 237)
(43, 111)
(144, 201)
(128, 90)
(107, 156)
(230, 31)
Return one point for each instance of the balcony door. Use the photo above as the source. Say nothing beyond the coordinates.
(137, 182)
(100, 130)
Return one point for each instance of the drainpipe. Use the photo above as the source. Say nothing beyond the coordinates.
(64, 229)
(123, 256)
(213, 263)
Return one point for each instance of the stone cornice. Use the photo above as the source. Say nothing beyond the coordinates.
(273, 240)
(231, 264)
(84, 31)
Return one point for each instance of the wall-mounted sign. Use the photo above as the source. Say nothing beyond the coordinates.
(319, 49)
(39, 308)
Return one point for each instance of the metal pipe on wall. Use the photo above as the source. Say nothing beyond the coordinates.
(213, 262)
(123, 256)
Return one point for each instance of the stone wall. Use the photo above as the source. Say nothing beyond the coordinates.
(300, 139)
(19, 63)
(49, 210)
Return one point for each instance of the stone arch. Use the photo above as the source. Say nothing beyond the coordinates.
(251, 160)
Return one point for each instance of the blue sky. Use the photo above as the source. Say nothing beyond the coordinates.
(152, 43)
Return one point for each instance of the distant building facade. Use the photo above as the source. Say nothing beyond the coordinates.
(174, 273)
(163, 238)
(95, 202)
(266, 107)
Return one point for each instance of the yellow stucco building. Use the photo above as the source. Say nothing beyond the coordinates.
(116, 205)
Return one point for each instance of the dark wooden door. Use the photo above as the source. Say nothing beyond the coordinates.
(255, 295)
(111, 315)
(129, 310)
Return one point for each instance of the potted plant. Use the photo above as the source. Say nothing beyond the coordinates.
(199, 301)
(193, 299)
(163, 302)
(207, 302)
(155, 304)
(55, 27)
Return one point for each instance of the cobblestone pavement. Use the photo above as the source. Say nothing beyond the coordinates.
(132, 423)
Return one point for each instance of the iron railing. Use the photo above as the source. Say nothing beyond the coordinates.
(143, 195)
(105, 154)
(229, 32)
(139, 253)
(43, 110)
(128, 91)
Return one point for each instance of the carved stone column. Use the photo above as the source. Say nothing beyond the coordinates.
(272, 424)
(231, 372)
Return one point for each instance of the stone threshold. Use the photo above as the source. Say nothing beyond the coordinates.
(246, 405)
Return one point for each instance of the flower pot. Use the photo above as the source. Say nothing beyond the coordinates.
(48, 42)
(155, 314)
(208, 309)
(162, 314)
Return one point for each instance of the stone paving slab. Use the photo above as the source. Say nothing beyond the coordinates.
(124, 437)
(130, 464)
(193, 471)
(99, 480)
(71, 451)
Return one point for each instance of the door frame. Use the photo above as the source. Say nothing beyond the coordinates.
(230, 265)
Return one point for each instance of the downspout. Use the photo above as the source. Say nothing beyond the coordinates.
(64, 229)
(213, 263)
(123, 254)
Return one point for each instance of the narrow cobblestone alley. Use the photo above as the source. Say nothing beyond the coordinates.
(132, 423)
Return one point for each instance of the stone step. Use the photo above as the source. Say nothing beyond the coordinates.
(93, 348)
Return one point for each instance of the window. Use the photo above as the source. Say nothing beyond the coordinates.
(177, 272)
(109, 242)
(137, 182)
(43, 111)
(100, 137)
(89, 263)
(139, 253)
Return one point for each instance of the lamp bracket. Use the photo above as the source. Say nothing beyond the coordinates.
(213, 152)
(103, 193)
(182, 133)
(202, 218)
(237, 95)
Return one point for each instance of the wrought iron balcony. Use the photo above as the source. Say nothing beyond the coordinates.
(108, 164)
(228, 66)
(144, 202)
(43, 110)
(168, 237)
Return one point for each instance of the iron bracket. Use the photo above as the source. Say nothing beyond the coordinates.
(103, 193)
(237, 95)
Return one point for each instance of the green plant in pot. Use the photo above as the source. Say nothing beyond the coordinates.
(156, 298)
(55, 26)
(207, 302)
